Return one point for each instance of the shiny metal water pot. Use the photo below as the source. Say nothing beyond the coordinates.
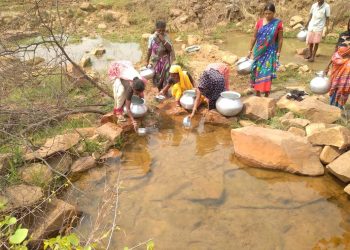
(302, 35)
(147, 73)
(320, 84)
(229, 103)
(188, 98)
(138, 107)
(244, 66)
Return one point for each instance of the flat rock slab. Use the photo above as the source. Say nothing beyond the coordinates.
(313, 110)
(83, 164)
(340, 167)
(36, 174)
(54, 145)
(60, 162)
(297, 131)
(276, 149)
(110, 131)
(329, 154)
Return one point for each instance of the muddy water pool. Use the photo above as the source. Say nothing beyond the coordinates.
(198, 196)
(114, 51)
(238, 43)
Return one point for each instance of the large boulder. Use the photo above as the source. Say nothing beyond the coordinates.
(259, 107)
(58, 214)
(53, 145)
(23, 195)
(313, 110)
(36, 174)
(110, 131)
(329, 154)
(276, 149)
(340, 167)
(338, 136)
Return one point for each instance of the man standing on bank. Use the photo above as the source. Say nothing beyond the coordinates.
(317, 27)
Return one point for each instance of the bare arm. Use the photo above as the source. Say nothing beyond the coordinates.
(280, 41)
(148, 55)
(197, 102)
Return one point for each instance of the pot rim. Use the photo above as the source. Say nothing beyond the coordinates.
(190, 92)
(233, 95)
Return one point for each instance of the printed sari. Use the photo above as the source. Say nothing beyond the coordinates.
(161, 60)
(340, 77)
(184, 83)
(265, 56)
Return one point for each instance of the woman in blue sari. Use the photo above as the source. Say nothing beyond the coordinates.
(267, 44)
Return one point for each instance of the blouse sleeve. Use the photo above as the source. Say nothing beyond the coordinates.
(280, 26)
(258, 24)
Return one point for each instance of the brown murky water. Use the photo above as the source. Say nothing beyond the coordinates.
(198, 196)
(238, 43)
(114, 51)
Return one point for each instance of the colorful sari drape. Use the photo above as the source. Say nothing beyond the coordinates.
(182, 85)
(161, 60)
(265, 57)
(340, 77)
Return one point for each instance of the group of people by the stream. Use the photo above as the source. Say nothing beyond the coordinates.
(265, 50)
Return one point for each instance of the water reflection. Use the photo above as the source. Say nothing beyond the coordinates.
(198, 197)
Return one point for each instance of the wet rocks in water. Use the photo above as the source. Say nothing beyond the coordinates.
(112, 154)
(36, 174)
(110, 131)
(85, 61)
(338, 136)
(313, 110)
(23, 196)
(215, 118)
(83, 164)
(58, 215)
(53, 145)
(329, 154)
(259, 107)
(98, 52)
(340, 167)
(276, 149)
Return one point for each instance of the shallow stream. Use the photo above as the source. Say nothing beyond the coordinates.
(198, 196)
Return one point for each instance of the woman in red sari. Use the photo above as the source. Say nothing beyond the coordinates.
(340, 73)
(268, 38)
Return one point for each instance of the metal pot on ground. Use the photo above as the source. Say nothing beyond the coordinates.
(229, 103)
(244, 66)
(138, 107)
(188, 98)
(320, 84)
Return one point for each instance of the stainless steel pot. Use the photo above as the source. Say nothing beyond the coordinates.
(229, 103)
(138, 107)
(302, 35)
(244, 66)
(147, 73)
(320, 84)
(187, 99)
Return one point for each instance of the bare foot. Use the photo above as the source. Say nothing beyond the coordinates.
(311, 60)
